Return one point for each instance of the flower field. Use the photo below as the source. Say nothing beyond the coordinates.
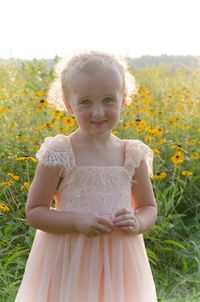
(164, 113)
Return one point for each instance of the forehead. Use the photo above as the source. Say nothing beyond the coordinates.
(102, 81)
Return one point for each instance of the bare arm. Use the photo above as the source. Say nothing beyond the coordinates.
(41, 216)
(40, 197)
(143, 198)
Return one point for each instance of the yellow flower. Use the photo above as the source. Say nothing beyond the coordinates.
(42, 102)
(27, 158)
(147, 101)
(178, 147)
(187, 173)
(114, 132)
(160, 175)
(1, 109)
(13, 125)
(57, 113)
(156, 151)
(25, 185)
(160, 141)
(191, 141)
(177, 158)
(39, 93)
(173, 120)
(195, 156)
(15, 177)
(68, 121)
(154, 131)
(22, 137)
(185, 126)
(6, 183)
(4, 208)
(149, 136)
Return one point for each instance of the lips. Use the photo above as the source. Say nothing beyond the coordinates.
(98, 123)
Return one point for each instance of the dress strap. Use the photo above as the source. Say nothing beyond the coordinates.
(70, 151)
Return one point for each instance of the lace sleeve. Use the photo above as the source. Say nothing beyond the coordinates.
(53, 152)
(137, 150)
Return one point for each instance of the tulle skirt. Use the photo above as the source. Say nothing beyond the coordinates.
(77, 268)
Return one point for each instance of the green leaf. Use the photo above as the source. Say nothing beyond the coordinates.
(175, 243)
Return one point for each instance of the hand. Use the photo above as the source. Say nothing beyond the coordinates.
(92, 225)
(126, 220)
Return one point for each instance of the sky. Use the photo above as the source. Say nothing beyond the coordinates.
(43, 29)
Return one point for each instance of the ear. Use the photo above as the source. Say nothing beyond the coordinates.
(123, 103)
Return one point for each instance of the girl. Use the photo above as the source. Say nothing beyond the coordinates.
(90, 247)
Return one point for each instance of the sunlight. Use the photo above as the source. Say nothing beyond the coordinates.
(135, 28)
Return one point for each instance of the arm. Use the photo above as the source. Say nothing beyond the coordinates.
(40, 197)
(40, 215)
(143, 199)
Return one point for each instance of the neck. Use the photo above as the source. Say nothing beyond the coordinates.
(81, 135)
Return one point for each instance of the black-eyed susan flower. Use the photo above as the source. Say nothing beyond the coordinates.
(12, 126)
(6, 183)
(186, 173)
(173, 120)
(4, 208)
(160, 175)
(57, 113)
(21, 137)
(156, 151)
(195, 156)
(178, 157)
(26, 158)
(191, 141)
(160, 141)
(68, 121)
(40, 93)
(26, 185)
(15, 177)
(178, 147)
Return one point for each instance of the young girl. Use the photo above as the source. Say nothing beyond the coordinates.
(90, 247)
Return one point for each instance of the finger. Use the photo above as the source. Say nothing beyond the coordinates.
(102, 230)
(126, 223)
(121, 212)
(105, 221)
(129, 230)
(124, 217)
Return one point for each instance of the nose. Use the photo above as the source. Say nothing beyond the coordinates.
(98, 110)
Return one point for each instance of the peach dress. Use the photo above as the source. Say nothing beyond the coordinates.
(74, 267)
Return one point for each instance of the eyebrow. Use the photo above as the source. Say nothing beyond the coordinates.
(89, 97)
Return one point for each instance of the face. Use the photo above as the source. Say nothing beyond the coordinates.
(96, 100)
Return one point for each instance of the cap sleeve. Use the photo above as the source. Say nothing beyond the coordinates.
(54, 152)
(136, 151)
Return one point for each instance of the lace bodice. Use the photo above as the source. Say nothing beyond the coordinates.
(99, 189)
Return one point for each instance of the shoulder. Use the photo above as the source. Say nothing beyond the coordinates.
(56, 143)
(137, 152)
(53, 151)
(138, 147)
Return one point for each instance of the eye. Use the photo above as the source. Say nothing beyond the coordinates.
(84, 102)
(108, 100)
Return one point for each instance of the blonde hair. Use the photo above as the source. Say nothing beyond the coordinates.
(88, 62)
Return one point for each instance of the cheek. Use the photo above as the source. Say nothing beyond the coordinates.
(115, 111)
(81, 114)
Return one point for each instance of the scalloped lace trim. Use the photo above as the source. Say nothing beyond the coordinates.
(58, 151)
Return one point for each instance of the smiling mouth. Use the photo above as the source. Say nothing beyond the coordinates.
(98, 123)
